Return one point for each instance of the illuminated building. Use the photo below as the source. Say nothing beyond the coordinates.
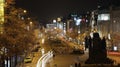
(103, 22)
(108, 24)
(1, 16)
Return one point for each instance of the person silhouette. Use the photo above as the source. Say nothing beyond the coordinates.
(71, 65)
(79, 65)
(75, 64)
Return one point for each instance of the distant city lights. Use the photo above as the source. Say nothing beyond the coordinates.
(54, 21)
(115, 48)
(103, 17)
(78, 21)
(58, 19)
(43, 40)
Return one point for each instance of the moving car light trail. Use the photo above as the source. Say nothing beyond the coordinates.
(42, 61)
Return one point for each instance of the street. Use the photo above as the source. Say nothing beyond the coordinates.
(63, 59)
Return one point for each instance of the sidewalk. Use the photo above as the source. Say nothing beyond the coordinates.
(62, 61)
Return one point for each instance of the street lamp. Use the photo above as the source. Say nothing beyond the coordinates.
(59, 19)
(25, 11)
(31, 25)
(31, 22)
(28, 18)
(54, 21)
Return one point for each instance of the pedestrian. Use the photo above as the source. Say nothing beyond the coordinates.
(79, 65)
(71, 65)
(86, 42)
(75, 64)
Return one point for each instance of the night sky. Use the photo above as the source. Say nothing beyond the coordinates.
(47, 10)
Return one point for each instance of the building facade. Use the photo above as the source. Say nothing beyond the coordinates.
(108, 24)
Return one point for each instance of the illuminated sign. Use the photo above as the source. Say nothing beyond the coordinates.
(78, 21)
(103, 17)
(51, 26)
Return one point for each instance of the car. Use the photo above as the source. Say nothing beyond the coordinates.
(28, 60)
(78, 51)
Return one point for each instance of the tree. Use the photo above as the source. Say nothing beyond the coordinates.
(16, 39)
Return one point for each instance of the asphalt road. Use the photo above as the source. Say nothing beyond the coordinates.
(63, 59)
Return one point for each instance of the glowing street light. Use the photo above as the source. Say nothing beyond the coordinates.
(25, 11)
(58, 19)
(28, 18)
(31, 22)
(54, 21)
(43, 40)
(43, 51)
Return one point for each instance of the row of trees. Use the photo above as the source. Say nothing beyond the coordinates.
(17, 39)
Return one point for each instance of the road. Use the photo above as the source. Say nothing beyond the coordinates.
(37, 55)
(63, 60)
(67, 59)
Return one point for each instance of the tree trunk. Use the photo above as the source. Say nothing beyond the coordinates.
(3, 63)
(10, 61)
(7, 62)
(15, 59)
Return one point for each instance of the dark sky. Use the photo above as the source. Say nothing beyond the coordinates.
(107, 3)
(46, 10)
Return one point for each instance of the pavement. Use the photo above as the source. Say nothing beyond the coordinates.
(65, 60)
(62, 61)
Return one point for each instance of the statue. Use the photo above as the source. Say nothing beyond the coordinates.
(97, 51)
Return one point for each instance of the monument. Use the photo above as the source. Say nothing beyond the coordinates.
(97, 51)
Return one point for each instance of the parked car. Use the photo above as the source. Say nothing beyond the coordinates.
(28, 60)
(78, 51)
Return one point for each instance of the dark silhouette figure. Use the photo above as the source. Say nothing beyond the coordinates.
(90, 46)
(79, 65)
(97, 51)
(96, 46)
(86, 42)
(75, 64)
(104, 51)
